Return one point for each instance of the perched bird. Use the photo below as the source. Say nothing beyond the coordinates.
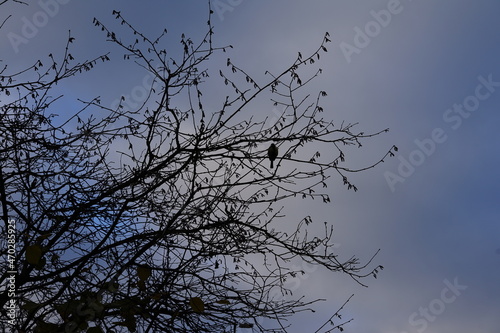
(272, 153)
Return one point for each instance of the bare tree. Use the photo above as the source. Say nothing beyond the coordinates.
(166, 217)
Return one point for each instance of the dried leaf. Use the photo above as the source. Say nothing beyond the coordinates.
(197, 304)
(33, 254)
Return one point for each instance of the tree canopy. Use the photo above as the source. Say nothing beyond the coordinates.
(166, 217)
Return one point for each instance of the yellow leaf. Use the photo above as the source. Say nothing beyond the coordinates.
(33, 254)
(197, 304)
(223, 301)
(143, 272)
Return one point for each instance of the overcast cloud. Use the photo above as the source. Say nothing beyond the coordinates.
(428, 70)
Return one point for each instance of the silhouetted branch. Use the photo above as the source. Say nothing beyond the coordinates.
(164, 216)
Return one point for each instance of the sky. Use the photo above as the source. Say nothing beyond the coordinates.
(428, 70)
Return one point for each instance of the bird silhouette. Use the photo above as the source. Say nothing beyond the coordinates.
(272, 153)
